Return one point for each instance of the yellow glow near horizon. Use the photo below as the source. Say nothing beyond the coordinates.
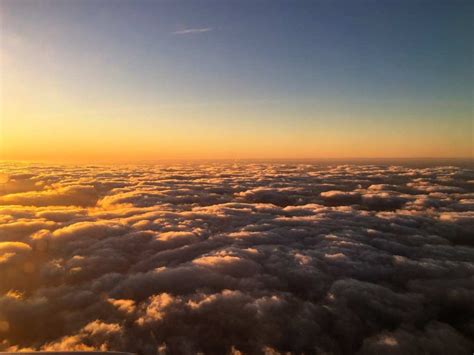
(61, 131)
(177, 134)
(40, 123)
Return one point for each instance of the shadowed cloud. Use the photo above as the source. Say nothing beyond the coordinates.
(228, 258)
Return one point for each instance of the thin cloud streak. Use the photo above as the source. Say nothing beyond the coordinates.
(193, 31)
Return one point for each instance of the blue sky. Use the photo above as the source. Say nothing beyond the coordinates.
(294, 65)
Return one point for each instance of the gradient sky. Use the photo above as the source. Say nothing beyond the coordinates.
(116, 80)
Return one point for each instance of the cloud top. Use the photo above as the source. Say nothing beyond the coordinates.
(237, 258)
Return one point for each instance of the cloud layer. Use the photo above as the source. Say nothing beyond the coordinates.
(237, 258)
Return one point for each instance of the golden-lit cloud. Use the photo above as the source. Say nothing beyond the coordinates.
(168, 256)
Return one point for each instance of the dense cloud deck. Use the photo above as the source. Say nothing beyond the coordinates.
(224, 258)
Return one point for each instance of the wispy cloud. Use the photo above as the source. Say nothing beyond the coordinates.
(189, 31)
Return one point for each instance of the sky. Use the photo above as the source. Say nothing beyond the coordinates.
(123, 80)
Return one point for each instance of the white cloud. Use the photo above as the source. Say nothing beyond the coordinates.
(188, 31)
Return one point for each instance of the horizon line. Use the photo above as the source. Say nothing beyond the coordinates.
(261, 160)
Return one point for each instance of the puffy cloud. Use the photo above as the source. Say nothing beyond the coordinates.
(126, 306)
(336, 198)
(10, 250)
(237, 258)
(20, 229)
(96, 335)
(79, 195)
(14, 247)
(435, 338)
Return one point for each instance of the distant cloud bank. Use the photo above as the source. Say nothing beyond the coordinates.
(237, 258)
